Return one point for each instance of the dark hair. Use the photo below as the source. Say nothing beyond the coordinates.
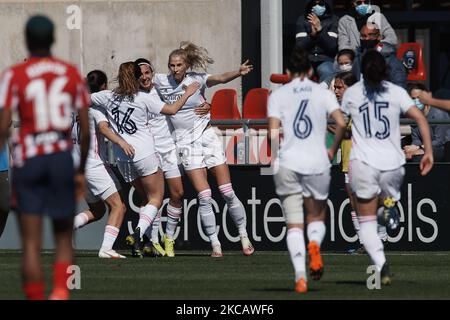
(39, 33)
(375, 71)
(299, 61)
(142, 61)
(348, 78)
(416, 86)
(95, 80)
(347, 52)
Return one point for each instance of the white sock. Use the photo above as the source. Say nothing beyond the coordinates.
(296, 247)
(372, 242)
(356, 224)
(80, 220)
(316, 231)
(173, 216)
(235, 208)
(207, 215)
(381, 230)
(155, 228)
(146, 216)
(109, 237)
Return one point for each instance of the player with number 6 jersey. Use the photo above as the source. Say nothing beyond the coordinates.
(302, 108)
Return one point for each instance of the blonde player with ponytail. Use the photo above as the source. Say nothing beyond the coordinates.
(199, 147)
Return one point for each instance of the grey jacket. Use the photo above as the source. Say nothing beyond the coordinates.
(349, 35)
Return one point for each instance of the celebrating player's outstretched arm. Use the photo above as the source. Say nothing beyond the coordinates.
(216, 79)
(427, 98)
(171, 109)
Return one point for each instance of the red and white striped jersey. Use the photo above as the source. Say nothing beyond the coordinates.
(42, 92)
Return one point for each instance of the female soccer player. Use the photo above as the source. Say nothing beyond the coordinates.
(376, 160)
(198, 144)
(102, 185)
(167, 153)
(128, 110)
(302, 108)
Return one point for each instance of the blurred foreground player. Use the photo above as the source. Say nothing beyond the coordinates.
(44, 91)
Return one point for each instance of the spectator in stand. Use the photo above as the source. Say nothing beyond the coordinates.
(350, 24)
(439, 133)
(317, 34)
(371, 40)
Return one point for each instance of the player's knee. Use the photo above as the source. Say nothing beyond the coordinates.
(177, 195)
(293, 208)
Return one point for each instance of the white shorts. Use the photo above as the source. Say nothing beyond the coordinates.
(310, 185)
(132, 170)
(368, 182)
(169, 164)
(101, 183)
(205, 152)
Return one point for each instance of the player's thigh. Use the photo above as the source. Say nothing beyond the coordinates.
(61, 194)
(221, 173)
(391, 182)
(364, 180)
(213, 151)
(287, 182)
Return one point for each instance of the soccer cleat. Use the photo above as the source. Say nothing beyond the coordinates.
(385, 275)
(217, 250)
(168, 245)
(59, 294)
(391, 216)
(247, 248)
(135, 242)
(301, 286)
(109, 254)
(157, 250)
(315, 261)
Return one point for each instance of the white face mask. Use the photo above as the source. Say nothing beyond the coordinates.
(345, 67)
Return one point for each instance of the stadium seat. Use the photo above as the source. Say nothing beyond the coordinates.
(255, 105)
(224, 107)
(279, 78)
(411, 54)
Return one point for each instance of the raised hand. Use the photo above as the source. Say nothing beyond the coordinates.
(245, 68)
(316, 25)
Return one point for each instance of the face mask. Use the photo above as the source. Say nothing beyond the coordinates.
(318, 10)
(363, 9)
(369, 44)
(345, 67)
(419, 104)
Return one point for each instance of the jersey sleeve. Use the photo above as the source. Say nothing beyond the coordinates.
(100, 99)
(8, 90)
(331, 102)
(345, 104)
(98, 114)
(153, 102)
(405, 100)
(82, 99)
(273, 109)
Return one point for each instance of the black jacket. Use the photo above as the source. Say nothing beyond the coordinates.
(324, 46)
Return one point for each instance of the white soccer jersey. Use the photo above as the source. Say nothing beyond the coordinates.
(303, 108)
(97, 148)
(161, 128)
(129, 119)
(187, 125)
(376, 125)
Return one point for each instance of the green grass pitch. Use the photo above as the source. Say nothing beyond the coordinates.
(266, 275)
